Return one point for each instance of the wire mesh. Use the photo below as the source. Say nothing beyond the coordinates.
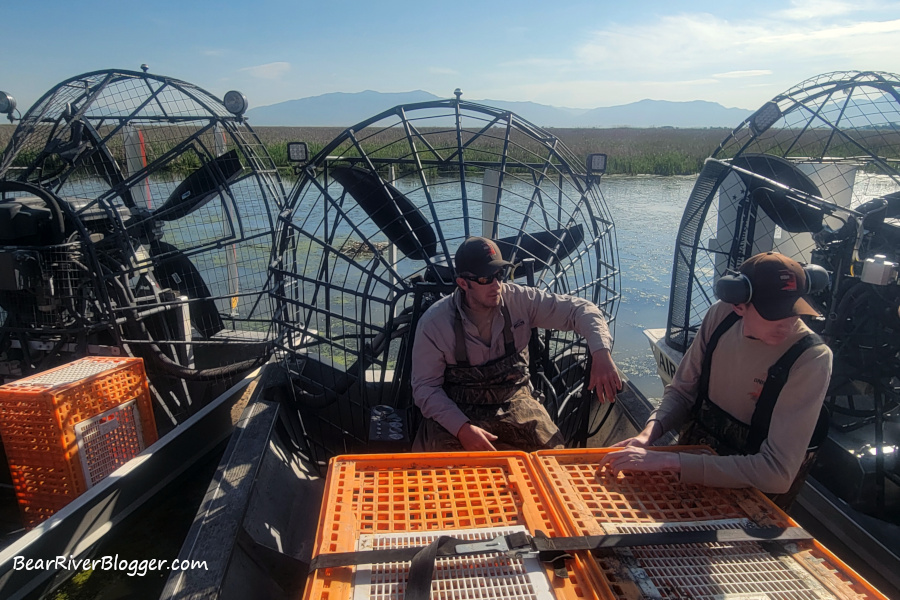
(367, 241)
(473, 576)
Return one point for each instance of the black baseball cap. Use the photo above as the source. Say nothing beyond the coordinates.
(778, 284)
(480, 257)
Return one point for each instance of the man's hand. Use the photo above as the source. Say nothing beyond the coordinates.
(652, 430)
(635, 458)
(475, 439)
(604, 376)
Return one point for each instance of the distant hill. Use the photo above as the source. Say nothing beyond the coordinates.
(342, 110)
(662, 113)
(336, 109)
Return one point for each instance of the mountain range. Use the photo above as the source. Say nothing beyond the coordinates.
(341, 109)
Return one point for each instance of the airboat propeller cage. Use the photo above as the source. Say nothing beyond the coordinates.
(154, 210)
(400, 220)
(793, 178)
(366, 243)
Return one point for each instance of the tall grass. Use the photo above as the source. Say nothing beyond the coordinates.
(6, 132)
(656, 151)
(652, 151)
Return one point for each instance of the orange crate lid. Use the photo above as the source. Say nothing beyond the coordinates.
(408, 500)
(595, 502)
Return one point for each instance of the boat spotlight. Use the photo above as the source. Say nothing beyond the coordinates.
(298, 152)
(235, 102)
(7, 105)
(764, 118)
(596, 165)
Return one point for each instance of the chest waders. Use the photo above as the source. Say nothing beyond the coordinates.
(714, 427)
(495, 396)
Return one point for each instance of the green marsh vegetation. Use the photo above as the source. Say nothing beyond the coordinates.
(656, 151)
(631, 151)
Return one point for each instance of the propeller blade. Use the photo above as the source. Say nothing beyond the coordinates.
(176, 271)
(788, 214)
(393, 212)
(199, 187)
(540, 246)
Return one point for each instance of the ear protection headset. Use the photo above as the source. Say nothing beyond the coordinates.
(735, 288)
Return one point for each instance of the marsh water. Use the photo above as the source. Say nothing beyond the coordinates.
(646, 211)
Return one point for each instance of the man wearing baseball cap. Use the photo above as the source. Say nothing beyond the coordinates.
(470, 358)
(751, 386)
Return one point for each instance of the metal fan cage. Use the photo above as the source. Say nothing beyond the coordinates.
(168, 203)
(367, 241)
(840, 132)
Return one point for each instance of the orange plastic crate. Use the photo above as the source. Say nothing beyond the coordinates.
(66, 428)
(400, 500)
(595, 502)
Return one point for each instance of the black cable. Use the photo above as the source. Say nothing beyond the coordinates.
(161, 360)
(602, 422)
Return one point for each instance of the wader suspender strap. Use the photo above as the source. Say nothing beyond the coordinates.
(768, 396)
(553, 551)
(459, 352)
(775, 381)
(703, 384)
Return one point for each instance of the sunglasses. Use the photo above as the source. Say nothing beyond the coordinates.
(498, 276)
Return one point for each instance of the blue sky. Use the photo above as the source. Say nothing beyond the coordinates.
(576, 54)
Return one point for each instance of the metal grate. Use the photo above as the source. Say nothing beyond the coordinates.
(109, 440)
(472, 576)
(746, 570)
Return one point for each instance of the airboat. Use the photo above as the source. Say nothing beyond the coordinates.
(136, 213)
(813, 174)
(365, 244)
(190, 254)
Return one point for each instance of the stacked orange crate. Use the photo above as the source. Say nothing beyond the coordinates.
(596, 502)
(66, 428)
(383, 501)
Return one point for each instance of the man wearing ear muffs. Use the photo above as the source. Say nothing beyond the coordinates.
(751, 386)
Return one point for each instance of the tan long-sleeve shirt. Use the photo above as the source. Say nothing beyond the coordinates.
(528, 308)
(739, 369)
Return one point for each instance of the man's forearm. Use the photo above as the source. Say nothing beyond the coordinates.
(436, 405)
